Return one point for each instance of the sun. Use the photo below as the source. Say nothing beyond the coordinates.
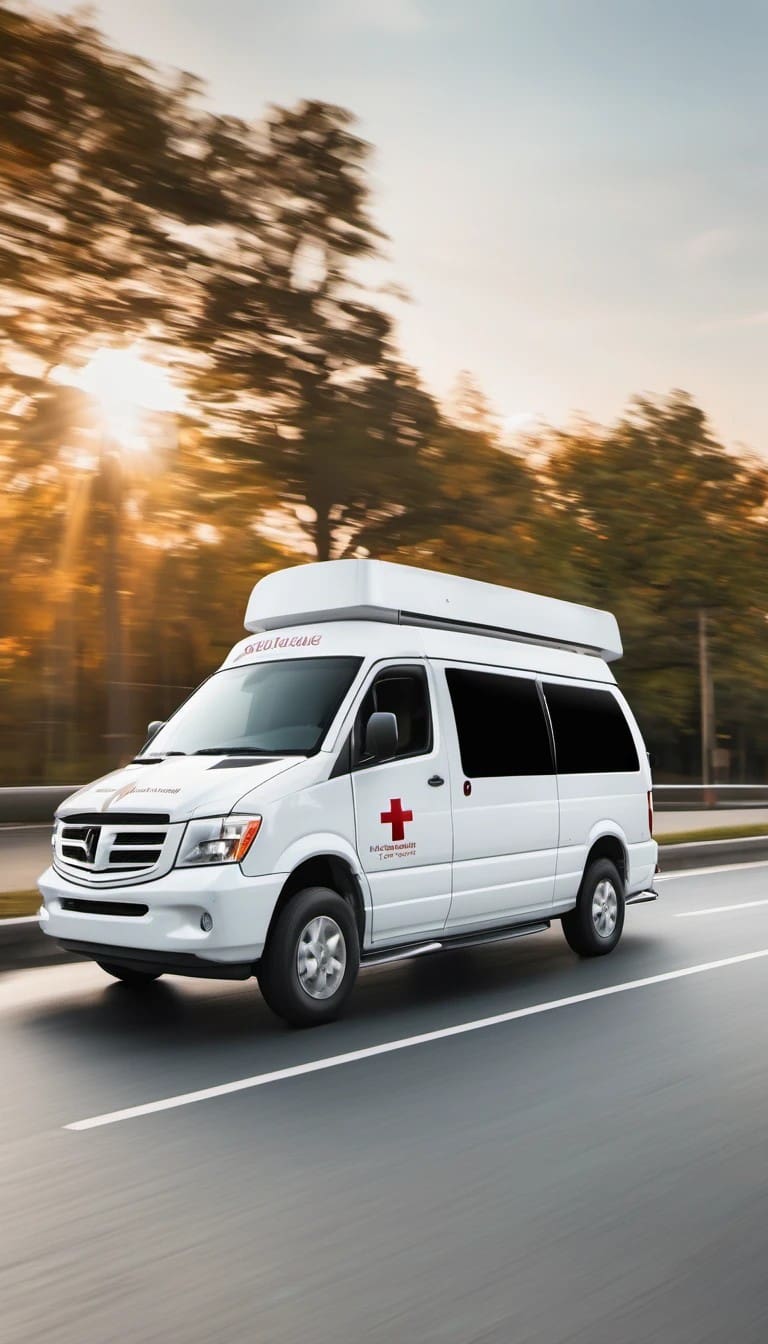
(127, 388)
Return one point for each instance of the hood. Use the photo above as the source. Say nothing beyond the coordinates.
(180, 786)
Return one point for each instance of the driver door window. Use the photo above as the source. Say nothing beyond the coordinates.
(402, 692)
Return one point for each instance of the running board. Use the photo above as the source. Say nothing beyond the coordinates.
(496, 935)
(640, 897)
(401, 954)
(452, 942)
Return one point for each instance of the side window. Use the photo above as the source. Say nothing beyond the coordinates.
(591, 733)
(401, 691)
(501, 724)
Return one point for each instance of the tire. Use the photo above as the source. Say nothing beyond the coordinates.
(128, 975)
(302, 987)
(594, 927)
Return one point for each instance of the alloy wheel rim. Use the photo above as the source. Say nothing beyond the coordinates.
(321, 957)
(605, 908)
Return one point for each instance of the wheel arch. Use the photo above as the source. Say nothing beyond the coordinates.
(328, 869)
(610, 844)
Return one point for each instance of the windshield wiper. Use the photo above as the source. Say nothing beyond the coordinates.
(235, 751)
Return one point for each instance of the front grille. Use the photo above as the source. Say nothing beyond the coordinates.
(127, 909)
(136, 858)
(103, 846)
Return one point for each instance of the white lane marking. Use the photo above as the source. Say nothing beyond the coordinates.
(718, 868)
(406, 1043)
(19, 919)
(718, 909)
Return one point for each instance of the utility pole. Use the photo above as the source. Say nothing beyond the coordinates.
(707, 702)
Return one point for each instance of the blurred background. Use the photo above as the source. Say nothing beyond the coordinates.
(479, 292)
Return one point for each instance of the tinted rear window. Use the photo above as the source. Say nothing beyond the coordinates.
(592, 735)
(501, 725)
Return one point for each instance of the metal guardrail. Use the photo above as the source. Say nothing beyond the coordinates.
(37, 803)
(706, 797)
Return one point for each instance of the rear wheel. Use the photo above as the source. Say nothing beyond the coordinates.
(128, 974)
(594, 927)
(311, 959)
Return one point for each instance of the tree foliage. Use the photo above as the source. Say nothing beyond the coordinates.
(106, 171)
(660, 523)
(303, 369)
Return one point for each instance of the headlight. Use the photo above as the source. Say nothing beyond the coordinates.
(217, 840)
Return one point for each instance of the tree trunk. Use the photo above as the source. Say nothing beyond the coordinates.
(116, 726)
(322, 530)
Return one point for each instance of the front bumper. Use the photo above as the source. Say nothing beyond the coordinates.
(163, 963)
(240, 907)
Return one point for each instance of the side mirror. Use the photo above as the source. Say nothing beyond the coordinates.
(154, 727)
(381, 736)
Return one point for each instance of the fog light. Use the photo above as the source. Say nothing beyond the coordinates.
(206, 922)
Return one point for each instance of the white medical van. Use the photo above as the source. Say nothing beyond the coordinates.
(391, 763)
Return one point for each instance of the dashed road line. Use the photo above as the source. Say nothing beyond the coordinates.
(718, 909)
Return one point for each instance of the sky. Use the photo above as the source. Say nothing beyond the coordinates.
(575, 191)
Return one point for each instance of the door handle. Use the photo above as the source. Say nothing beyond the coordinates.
(436, 781)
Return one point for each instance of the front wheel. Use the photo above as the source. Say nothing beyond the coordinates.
(311, 959)
(594, 927)
(128, 974)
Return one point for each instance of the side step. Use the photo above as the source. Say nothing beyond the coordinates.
(380, 958)
(497, 935)
(640, 897)
(399, 954)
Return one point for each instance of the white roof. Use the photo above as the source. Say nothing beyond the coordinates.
(374, 590)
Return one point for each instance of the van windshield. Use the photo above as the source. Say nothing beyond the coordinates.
(283, 708)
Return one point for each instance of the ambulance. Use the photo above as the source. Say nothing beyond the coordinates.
(391, 763)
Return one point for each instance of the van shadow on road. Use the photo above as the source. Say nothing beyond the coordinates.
(191, 1017)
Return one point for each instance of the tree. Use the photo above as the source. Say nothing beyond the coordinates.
(304, 380)
(107, 174)
(110, 207)
(660, 522)
(481, 509)
(468, 407)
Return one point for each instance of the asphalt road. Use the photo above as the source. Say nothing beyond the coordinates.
(595, 1172)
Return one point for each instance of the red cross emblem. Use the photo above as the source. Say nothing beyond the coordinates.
(395, 818)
